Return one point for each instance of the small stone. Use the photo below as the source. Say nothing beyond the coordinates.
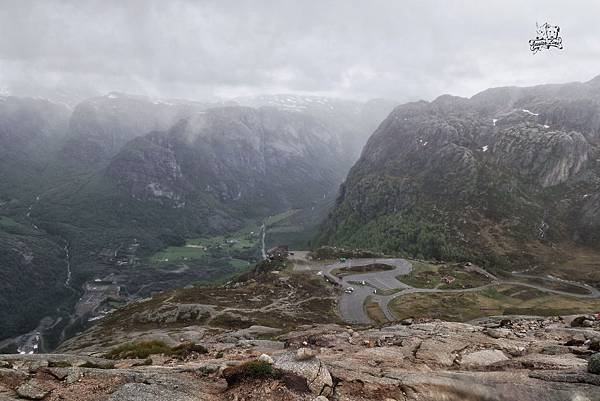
(516, 351)
(303, 354)
(498, 333)
(483, 358)
(594, 364)
(406, 322)
(266, 358)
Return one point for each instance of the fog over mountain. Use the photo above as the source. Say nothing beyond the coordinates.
(318, 200)
(206, 49)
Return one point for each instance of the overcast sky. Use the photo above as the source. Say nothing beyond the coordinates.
(404, 50)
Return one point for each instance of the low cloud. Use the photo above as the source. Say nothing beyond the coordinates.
(404, 50)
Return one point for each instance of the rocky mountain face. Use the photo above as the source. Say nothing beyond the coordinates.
(31, 261)
(262, 159)
(29, 132)
(118, 177)
(350, 122)
(99, 127)
(508, 175)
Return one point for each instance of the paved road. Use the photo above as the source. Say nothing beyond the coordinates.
(351, 306)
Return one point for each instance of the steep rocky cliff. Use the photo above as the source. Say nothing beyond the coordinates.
(100, 126)
(262, 159)
(349, 123)
(490, 177)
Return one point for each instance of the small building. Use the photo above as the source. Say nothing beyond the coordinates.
(279, 252)
(448, 279)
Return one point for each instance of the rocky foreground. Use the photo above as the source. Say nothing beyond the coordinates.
(520, 358)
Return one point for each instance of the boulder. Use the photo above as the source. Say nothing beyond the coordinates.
(594, 364)
(266, 358)
(498, 333)
(32, 390)
(484, 357)
(303, 354)
(312, 370)
(582, 321)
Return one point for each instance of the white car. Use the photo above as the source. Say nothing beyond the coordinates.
(319, 273)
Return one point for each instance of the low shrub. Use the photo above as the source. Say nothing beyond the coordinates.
(186, 350)
(93, 365)
(250, 370)
(143, 350)
(59, 364)
(139, 350)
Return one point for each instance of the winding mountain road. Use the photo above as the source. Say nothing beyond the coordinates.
(351, 305)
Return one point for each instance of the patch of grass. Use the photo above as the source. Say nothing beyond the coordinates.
(332, 252)
(228, 321)
(143, 350)
(498, 300)
(239, 263)
(553, 285)
(374, 311)
(427, 275)
(185, 350)
(177, 253)
(250, 370)
(7, 222)
(93, 365)
(347, 271)
(272, 220)
(59, 364)
(422, 275)
(139, 350)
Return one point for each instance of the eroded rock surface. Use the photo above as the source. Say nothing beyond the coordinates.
(502, 359)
